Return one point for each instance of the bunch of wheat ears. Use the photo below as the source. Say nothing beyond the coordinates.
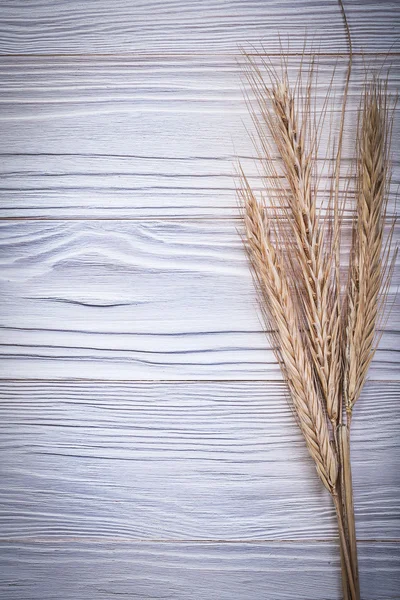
(322, 317)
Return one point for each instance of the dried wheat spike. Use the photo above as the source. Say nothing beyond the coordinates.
(371, 268)
(286, 115)
(274, 291)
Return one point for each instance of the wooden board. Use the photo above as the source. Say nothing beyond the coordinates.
(139, 138)
(138, 300)
(148, 450)
(214, 571)
(183, 461)
(207, 26)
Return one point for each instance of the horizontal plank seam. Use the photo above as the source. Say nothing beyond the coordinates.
(183, 219)
(157, 157)
(163, 381)
(122, 540)
(191, 55)
(112, 219)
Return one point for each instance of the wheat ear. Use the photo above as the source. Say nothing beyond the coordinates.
(273, 286)
(371, 268)
(296, 140)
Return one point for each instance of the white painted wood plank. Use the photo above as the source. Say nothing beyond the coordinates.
(205, 26)
(91, 468)
(134, 137)
(222, 461)
(138, 300)
(90, 571)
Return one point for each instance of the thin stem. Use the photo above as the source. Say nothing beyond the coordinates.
(349, 505)
(344, 548)
(345, 579)
(340, 493)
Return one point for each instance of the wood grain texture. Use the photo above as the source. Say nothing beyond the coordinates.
(138, 300)
(164, 489)
(206, 26)
(138, 137)
(183, 461)
(91, 571)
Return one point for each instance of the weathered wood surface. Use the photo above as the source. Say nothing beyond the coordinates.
(183, 461)
(138, 137)
(148, 450)
(138, 300)
(202, 571)
(205, 26)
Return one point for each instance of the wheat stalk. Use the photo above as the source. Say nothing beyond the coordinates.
(371, 266)
(324, 346)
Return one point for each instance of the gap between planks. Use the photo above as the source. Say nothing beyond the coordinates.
(163, 381)
(123, 540)
(166, 218)
(133, 219)
(191, 55)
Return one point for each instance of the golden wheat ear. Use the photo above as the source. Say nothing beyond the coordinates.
(288, 126)
(275, 295)
(372, 256)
